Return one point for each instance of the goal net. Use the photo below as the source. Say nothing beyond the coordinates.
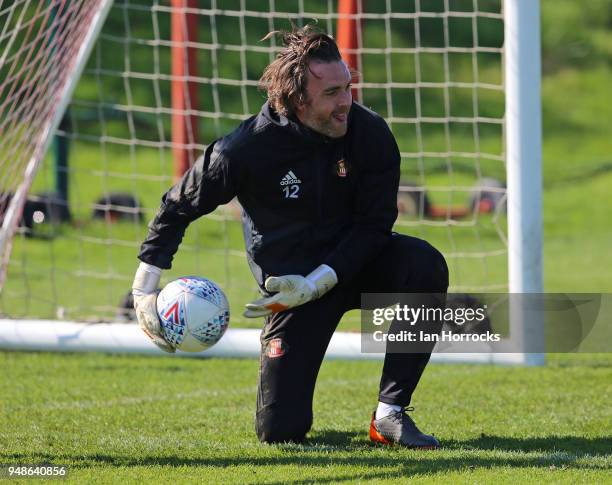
(433, 69)
(42, 49)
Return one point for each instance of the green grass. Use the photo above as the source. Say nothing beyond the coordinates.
(132, 419)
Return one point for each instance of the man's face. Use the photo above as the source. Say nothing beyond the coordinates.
(328, 98)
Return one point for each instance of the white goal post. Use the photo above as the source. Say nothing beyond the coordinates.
(524, 161)
(132, 91)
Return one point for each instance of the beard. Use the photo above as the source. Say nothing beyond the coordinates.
(328, 125)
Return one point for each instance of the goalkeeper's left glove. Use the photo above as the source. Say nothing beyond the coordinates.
(292, 291)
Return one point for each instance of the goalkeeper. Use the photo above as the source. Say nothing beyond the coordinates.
(317, 176)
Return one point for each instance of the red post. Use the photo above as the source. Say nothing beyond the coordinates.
(349, 28)
(184, 90)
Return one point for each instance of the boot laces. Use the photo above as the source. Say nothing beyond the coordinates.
(403, 414)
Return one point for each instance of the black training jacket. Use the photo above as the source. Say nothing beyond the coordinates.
(307, 199)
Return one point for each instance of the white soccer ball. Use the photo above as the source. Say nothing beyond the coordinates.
(194, 313)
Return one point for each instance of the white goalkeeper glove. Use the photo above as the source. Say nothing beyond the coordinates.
(144, 291)
(292, 291)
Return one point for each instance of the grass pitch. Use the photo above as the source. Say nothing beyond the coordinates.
(134, 419)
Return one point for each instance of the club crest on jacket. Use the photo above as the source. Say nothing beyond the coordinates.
(341, 168)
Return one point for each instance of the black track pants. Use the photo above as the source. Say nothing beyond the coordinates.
(294, 341)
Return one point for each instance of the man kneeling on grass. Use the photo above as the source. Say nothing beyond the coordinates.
(317, 176)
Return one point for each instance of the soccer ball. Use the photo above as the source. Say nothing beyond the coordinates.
(193, 312)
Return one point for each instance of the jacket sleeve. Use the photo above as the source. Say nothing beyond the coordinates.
(376, 205)
(211, 181)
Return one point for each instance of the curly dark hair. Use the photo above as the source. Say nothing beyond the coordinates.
(284, 80)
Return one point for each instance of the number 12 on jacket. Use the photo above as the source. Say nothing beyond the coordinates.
(291, 191)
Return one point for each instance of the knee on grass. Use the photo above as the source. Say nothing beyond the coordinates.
(282, 426)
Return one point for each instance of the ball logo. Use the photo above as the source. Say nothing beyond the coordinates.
(172, 313)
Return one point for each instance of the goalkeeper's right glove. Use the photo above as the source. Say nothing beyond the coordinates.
(144, 291)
